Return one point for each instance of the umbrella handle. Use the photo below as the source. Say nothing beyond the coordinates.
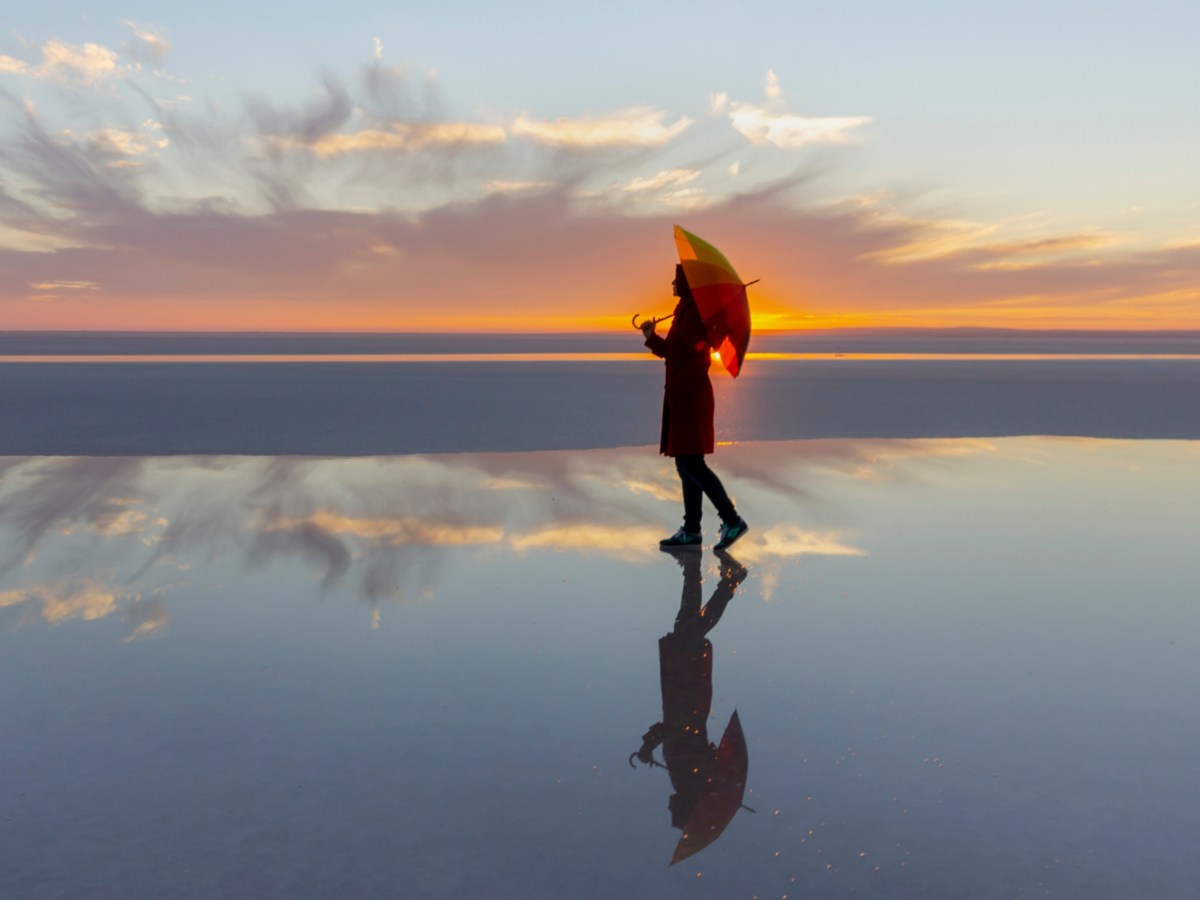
(652, 321)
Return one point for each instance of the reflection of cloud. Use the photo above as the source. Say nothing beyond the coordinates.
(66, 490)
(783, 466)
(75, 598)
(387, 527)
(585, 538)
(788, 541)
(396, 531)
(88, 599)
(667, 491)
(148, 619)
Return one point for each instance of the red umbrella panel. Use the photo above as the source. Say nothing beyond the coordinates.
(723, 793)
(720, 296)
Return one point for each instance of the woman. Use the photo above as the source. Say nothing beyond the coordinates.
(687, 420)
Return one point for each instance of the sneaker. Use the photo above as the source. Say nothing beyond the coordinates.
(730, 533)
(681, 539)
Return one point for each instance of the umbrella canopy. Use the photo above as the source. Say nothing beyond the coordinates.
(720, 296)
(722, 797)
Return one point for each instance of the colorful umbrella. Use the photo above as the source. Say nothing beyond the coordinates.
(720, 296)
(723, 792)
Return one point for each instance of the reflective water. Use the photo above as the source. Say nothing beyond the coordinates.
(961, 668)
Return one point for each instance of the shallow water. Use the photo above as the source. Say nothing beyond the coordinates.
(365, 408)
(963, 668)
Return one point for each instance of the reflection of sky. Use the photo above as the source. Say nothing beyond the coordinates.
(383, 525)
(964, 668)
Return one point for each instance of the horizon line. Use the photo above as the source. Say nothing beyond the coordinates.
(789, 332)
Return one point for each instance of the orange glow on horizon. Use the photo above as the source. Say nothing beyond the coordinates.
(306, 316)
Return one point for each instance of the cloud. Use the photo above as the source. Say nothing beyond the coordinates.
(789, 131)
(771, 124)
(65, 286)
(118, 147)
(86, 64)
(321, 117)
(640, 126)
(1014, 243)
(148, 45)
(666, 178)
(771, 88)
(199, 216)
(403, 137)
(13, 66)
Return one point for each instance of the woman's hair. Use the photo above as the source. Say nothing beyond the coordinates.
(685, 290)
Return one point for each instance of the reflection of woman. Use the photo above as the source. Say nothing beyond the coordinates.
(685, 671)
(687, 420)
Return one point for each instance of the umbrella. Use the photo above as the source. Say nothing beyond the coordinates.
(723, 792)
(720, 296)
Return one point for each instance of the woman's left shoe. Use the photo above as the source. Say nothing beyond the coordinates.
(682, 540)
(730, 533)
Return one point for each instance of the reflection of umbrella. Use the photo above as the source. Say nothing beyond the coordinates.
(720, 296)
(722, 795)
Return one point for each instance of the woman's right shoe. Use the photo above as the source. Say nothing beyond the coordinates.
(680, 540)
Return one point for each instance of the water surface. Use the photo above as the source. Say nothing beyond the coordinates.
(963, 668)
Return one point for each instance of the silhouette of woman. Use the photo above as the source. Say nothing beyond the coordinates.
(687, 420)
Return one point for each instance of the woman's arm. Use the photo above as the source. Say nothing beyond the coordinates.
(656, 343)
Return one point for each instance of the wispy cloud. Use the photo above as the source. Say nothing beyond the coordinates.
(666, 178)
(790, 131)
(402, 137)
(12, 65)
(148, 44)
(65, 286)
(85, 64)
(377, 191)
(639, 126)
(772, 124)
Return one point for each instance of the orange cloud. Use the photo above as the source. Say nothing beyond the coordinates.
(637, 126)
(364, 210)
(401, 137)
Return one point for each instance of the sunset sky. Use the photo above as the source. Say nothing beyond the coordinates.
(518, 167)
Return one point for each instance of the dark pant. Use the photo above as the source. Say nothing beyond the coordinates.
(700, 481)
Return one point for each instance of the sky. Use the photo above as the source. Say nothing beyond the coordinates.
(468, 166)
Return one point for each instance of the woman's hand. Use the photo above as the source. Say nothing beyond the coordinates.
(647, 328)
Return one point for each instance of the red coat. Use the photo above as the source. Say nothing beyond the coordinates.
(687, 417)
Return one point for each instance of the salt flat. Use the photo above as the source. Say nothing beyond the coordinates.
(358, 408)
(964, 667)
